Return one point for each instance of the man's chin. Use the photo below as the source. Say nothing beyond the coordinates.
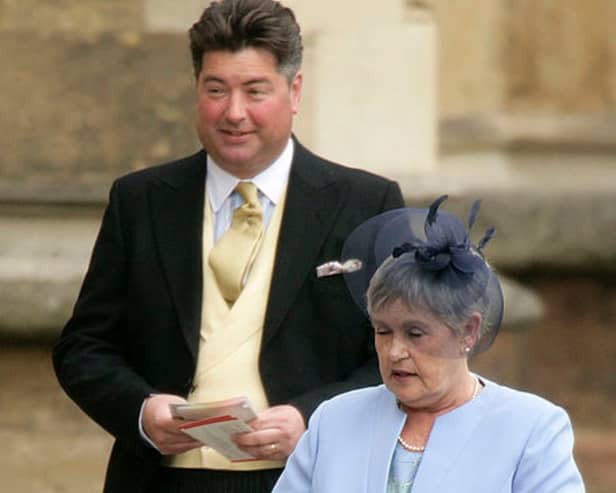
(242, 165)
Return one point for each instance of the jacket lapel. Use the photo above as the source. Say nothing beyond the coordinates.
(313, 197)
(449, 442)
(389, 420)
(176, 199)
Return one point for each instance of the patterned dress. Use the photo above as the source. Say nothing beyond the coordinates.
(404, 465)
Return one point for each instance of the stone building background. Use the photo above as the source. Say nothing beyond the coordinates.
(524, 116)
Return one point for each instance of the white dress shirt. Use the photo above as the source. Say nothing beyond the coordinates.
(271, 183)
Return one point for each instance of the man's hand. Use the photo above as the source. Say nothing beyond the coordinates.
(277, 431)
(162, 428)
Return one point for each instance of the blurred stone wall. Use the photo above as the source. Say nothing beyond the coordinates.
(88, 94)
(526, 110)
(561, 56)
(526, 56)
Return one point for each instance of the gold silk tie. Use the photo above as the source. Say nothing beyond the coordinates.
(232, 256)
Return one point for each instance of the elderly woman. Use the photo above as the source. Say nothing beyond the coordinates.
(433, 426)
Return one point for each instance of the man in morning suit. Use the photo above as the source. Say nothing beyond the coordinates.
(173, 307)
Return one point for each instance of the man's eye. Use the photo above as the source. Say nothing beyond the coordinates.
(214, 91)
(257, 93)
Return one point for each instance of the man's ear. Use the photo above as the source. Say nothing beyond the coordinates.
(295, 89)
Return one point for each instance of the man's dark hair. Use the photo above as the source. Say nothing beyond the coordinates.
(232, 25)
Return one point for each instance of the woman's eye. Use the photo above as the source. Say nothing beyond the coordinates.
(380, 331)
(414, 333)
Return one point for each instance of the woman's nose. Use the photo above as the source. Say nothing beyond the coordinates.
(398, 349)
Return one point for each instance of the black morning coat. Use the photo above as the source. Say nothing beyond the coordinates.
(135, 325)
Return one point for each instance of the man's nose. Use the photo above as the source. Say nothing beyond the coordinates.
(236, 109)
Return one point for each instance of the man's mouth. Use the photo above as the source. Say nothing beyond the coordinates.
(234, 133)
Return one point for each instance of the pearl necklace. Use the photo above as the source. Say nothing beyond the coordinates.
(409, 447)
(416, 448)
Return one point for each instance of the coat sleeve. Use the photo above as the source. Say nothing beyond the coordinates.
(90, 357)
(547, 464)
(297, 476)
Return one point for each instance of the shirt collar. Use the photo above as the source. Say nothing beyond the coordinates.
(272, 181)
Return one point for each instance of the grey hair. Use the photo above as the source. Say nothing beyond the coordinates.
(402, 279)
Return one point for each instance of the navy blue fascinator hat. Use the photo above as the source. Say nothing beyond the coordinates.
(440, 247)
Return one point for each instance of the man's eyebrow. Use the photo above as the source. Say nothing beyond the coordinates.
(213, 78)
(257, 80)
(249, 82)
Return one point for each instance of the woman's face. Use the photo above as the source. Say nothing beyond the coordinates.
(421, 359)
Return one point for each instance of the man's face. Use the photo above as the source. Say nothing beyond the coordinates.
(245, 109)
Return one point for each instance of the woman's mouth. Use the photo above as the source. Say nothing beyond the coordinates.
(402, 374)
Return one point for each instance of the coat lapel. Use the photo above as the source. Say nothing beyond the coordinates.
(389, 420)
(312, 199)
(448, 443)
(176, 200)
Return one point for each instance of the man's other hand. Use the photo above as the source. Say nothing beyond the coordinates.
(162, 428)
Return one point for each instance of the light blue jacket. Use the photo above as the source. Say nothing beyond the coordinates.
(502, 441)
